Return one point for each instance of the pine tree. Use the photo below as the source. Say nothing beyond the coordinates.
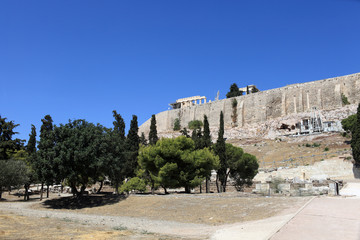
(119, 125)
(355, 141)
(132, 147)
(153, 138)
(206, 137)
(220, 149)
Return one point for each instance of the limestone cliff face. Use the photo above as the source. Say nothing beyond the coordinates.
(261, 107)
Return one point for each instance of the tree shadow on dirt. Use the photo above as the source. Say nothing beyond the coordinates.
(89, 201)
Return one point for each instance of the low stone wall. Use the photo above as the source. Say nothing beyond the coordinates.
(335, 168)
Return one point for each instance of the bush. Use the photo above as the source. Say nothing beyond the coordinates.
(326, 149)
(195, 124)
(134, 184)
(176, 124)
(344, 99)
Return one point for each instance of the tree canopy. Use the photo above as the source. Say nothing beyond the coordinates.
(173, 163)
(355, 140)
(153, 137)
(234, 91)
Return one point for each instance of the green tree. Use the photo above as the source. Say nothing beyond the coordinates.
(349, 123)
(119, 125)
(116, 157)
(143, 140)
(80, 153)
(12, 173)
(206, 136)
(234, 91)
(153, 138)
(132, 147)
(8, 145)
(242, 167)
(44, 163)
(355, 140)
(197, 137)
(31, 146)
(177, 124)
(30, 161)
(173, 163)
(195, 124)
(134, 183)
(185, 132)
(220, 151)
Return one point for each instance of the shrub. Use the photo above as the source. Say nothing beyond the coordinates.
(195, 124)
(326, 149)
(177, 124)
(134, 184)
(344, 99)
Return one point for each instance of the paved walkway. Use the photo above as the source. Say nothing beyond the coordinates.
(326, 218)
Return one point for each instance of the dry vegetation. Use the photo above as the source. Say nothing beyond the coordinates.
(213, 209)
(267, 151)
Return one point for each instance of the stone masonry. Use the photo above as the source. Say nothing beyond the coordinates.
(263, 106)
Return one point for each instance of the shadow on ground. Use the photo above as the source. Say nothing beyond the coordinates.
(89, 201)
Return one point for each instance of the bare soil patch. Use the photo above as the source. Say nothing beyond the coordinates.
(212, 209)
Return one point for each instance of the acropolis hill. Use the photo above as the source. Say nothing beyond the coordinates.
(260, 110)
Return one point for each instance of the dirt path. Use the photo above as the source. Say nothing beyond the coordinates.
(208, 216)
(138, 224)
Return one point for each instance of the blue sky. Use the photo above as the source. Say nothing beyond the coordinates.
(83, 59)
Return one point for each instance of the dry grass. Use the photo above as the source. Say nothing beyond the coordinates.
(13, 226)
(213, 209)
(267, 151)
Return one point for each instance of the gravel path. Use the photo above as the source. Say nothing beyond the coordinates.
(138, 224)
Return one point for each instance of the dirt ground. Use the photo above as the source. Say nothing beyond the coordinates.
(267, 151)
(207, 210)
(13, 226)
(213, 209)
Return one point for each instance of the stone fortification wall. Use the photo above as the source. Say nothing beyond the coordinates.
(263, 106)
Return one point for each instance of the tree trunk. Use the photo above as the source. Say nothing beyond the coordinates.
(217, 183)
(0, 192)
(101, 185)
(207, 185)
(41, 191)
(187, 189)
(117, 188)
(74, 189)
(166, 192)
(26, 195)
(47, 191)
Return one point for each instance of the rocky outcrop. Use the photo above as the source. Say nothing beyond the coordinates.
(260, 114)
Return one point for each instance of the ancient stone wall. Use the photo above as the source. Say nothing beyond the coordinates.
(266, 105)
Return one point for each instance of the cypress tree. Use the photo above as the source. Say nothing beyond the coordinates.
(220, 149)
(31, 146)
(355, 141)
(143, 140)
(206, 136)
(119, 125)
(45, 155)
(31, 149)
(132, 147)
(153, 138)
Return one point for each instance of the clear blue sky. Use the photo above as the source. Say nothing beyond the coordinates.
(83, 59)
